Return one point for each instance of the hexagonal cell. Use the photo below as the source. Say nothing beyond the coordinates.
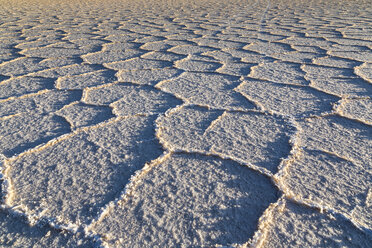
(364, 71)
(358, 109)
(191, 49)
(111, 56)
(70, 180)
(297, 57)
(149, 77)
(164, 45)
(86, 80)
(162, 55)
(52, 52)
(190, 200)
(306, 41)
(299, 226)
(16, 232)
(254, 138)
(269, 48)
(21, 66)
(281, 72)
(156, 46)
(139, 64)
(219, 43)
(339, 184)
(143, 100)
(336, 62)
(249, 56)
(343, 137)
(343, 87)
(41, 102)
(69, 70)
(79, 114)
(317, 72)
(24, 85)
(197, 65)
(28, 130)
(291, 100)
(127, 99)
(236, 69)
(212, 90)
(119, 47)
(362, 56)
(223, 56)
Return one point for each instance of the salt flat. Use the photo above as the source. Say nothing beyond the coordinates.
(193, 123)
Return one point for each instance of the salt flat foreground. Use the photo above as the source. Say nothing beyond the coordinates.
(174, 123)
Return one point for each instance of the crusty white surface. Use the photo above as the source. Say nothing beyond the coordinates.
(178, 123)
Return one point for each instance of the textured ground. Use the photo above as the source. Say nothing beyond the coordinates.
(185, 123)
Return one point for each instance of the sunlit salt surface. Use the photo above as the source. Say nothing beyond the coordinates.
(169, 123)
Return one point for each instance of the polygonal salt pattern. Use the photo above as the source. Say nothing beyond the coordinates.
(72, 178)
(210, 90)
(24, 85)
(281, 72)
(143, 100)
(239, 136)
(358, 109)
(80, 115)
(128, 99)
(334, 182)
(85, 80)
(27, 130)
(343, 87)
(364, 71)
(16, 232)
(138, 64)
(291, 100)
(44, 101)
(111, 56)
(149, 77)
(145, 124)
(21, 66)
(294, 225)
(190, 200)
(346, 138)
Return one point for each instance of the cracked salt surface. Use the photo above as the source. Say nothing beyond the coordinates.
(185, 124)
